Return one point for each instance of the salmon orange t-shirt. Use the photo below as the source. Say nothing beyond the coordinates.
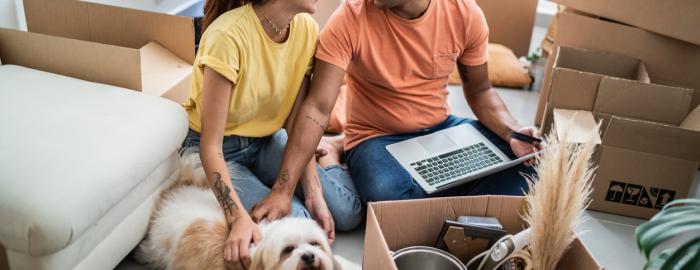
(397, 69)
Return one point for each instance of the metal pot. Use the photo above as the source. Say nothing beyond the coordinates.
(426, 258)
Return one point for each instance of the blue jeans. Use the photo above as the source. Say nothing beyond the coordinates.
(253, 165)
(378, 176)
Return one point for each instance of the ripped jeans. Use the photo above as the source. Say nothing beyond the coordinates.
(253, 165)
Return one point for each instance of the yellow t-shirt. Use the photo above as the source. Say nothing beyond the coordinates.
(266, 75)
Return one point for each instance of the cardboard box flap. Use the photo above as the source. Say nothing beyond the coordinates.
(651, 137)
(84, 60)
(650, 102)
(577, 126)
(692, 121)
(375, 247)
(576, 90)
(161, 69)
(111, 25)
(599, 62)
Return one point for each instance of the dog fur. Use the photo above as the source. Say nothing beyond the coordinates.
(188, 231)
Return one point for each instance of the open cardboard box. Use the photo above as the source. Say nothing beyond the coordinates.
(668, 61)
(144, 51)
(397, 224)
(577, 75)
(673, 18)
(645, 159)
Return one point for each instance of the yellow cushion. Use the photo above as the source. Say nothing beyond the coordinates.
(504, 69)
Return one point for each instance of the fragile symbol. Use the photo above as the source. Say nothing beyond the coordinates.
(632, 194)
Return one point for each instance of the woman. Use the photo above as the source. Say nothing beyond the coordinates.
(251, 73)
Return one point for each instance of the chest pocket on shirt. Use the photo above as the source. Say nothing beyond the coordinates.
(443, 64)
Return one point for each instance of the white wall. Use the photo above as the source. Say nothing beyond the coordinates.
(12, 14)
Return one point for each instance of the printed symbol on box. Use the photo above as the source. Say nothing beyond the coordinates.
(665, 196)
(615, 191)
(632, 194)
(645, 200)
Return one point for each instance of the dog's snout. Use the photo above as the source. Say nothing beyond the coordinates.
(308, 258)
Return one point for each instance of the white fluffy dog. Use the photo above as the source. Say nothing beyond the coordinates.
(188, 231)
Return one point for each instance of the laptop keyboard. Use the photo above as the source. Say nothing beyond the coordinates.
(457, 163)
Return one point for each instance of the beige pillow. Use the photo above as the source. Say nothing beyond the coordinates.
(504, 69)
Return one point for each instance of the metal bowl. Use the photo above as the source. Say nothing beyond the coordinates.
(426, 258)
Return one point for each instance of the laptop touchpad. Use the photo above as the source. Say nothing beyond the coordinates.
(438, 142)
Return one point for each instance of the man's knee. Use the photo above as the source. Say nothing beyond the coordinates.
(386, 185)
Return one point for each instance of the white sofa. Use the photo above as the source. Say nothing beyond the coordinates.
(81, 165)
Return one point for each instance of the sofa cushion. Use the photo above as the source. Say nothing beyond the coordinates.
(71, 151)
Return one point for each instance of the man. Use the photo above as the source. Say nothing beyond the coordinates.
(398, 55)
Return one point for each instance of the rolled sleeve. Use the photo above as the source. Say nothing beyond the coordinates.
(221, 54)
(338, 40)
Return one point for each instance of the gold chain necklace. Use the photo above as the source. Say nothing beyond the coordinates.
(274, 26)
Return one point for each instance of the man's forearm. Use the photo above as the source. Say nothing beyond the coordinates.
(492, 112)
(301, 146)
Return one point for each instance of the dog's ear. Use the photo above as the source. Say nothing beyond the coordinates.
(256, 252)
(258, 263)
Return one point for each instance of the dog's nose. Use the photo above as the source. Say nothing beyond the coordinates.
(308, 258)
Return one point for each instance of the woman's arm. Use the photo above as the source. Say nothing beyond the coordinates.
(214, 111)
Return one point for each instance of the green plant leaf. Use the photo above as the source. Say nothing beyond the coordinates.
(669, 227)
(680, 254)
(658, 260)
(693, 263)
(689, 201)
(669, 231)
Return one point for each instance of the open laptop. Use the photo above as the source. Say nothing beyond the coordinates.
(451, 157)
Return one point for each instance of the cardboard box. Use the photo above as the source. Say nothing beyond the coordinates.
(577, 74)
(139, 50)
(510, 26)
(674, 18)
(398, 224)
(645, 159)
(668, 61)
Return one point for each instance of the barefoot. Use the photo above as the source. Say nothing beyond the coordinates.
(330, 150)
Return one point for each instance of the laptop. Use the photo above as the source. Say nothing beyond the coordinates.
(451, 157)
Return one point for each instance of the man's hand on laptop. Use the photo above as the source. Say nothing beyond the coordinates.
(521, 148)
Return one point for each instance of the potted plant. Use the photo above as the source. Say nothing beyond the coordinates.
(680, 217)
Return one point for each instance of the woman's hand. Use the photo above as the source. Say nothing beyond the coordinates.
(521, 148)
(319, 212)
(277, 204)
(236, 248)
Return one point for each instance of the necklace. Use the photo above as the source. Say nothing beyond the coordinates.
(274, 26)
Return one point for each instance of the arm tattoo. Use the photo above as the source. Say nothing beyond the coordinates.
(284, 177)
(223, 195)
(323, 127)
